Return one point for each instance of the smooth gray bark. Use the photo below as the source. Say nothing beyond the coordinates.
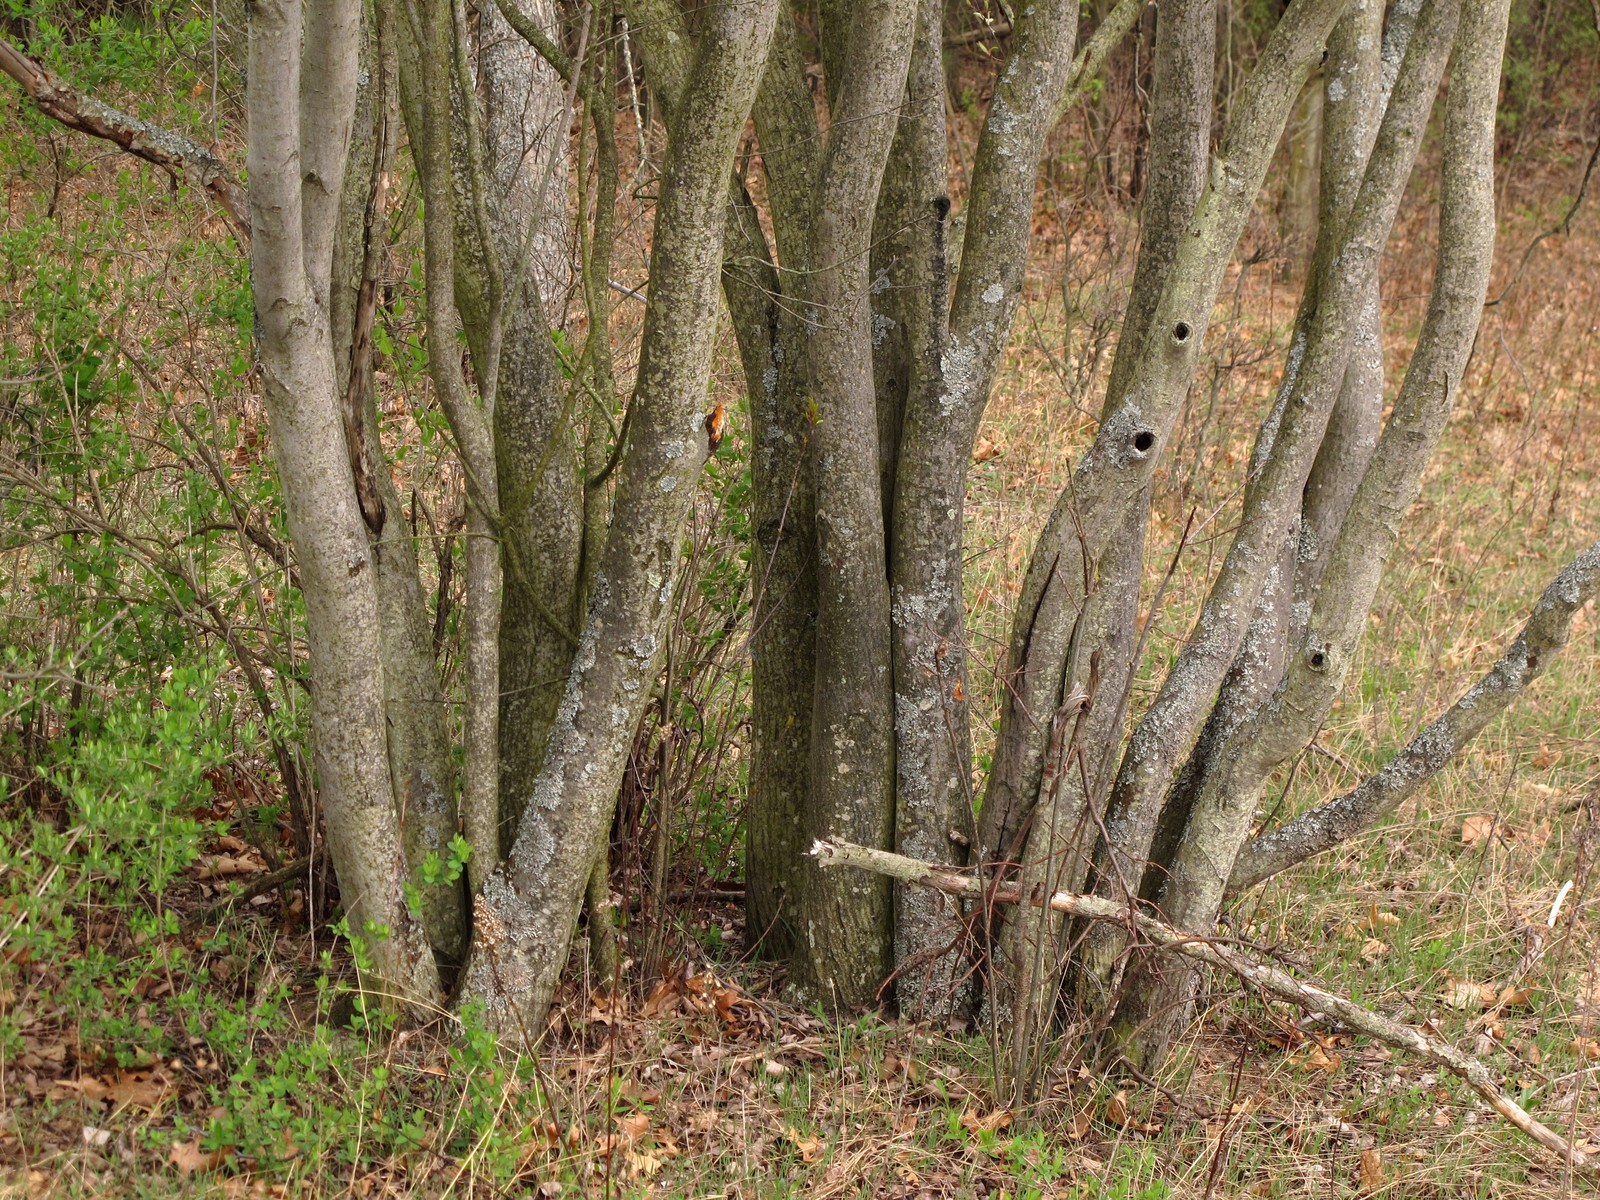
(1224, 807)
(303, 84)
(525, 913)
(769, 319)
(954, 364)
(1286, 446)
(1072, 636)
(1114, 472)
(1180, 143)
(845, 923)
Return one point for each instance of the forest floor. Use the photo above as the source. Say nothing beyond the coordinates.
(217, 1053)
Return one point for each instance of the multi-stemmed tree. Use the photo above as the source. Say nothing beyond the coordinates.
(872, 301)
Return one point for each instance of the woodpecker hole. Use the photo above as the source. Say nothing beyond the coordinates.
(1180, 332)
(1143, 440)
(1318, 660)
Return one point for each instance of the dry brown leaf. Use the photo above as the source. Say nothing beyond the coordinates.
(984, 450)
(1117, 1109)
(811, 1148)
(1515, 997)
(222, 866)
(1082, 1123)
(188, 1157)
(1375, 921)
(974, 1122)
(1585, 1047)
(1463, 994)
(1318, 1059)
(642, 1165)
(634, 1126)
(1369, 1174)
(1118, 1113)
(1373, 949)
(88, 1087)
(705, 1120)
(96, 1138)
(1479, 827)
(142, 1089)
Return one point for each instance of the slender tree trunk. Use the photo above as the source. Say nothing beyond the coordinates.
(943, 410)
(419, 752)
(303, 70)
(1297, 223)
(534, 413)
(1113, 474)
(910, 296)
(768, 318)
(1180, 142)
(846, 923)
(1196, 879)
(526, 911)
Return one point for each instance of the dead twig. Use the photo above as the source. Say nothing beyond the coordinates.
(258, 886)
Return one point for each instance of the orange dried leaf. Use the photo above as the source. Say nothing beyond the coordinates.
(1477, 828)
(811, 1149)
(975, 1122)
(1375, 921)
(189, 1158)
(1369, 1173)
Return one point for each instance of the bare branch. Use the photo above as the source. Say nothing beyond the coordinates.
(1092, 57)
(172, 152)
(1381, 793)
(1257, 974)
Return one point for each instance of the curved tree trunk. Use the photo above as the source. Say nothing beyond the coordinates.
(1196, 879)
(526, 911)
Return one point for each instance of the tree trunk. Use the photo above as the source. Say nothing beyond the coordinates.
(953, 367)
(845, 923)
(526, 911)
(768, 319)
(301, 101)
(1196, 878)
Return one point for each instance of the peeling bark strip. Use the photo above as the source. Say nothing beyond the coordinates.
(365, 466)
(170, 151)
(1384, 791)
(526, 910)
(1251, 971)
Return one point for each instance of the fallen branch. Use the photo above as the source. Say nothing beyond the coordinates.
(172, 152)
(258, 886)
(1268, 979)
